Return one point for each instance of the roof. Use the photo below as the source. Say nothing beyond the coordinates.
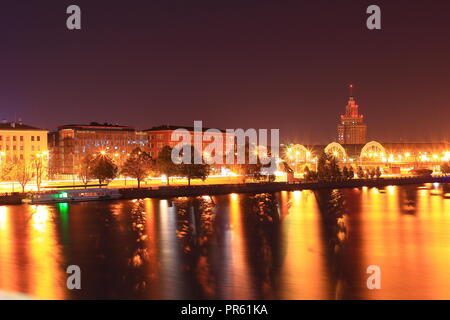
(354, 150)
(96, 126)
(18, 126)
(172, 128)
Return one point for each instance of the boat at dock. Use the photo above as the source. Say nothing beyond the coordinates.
(76, 195)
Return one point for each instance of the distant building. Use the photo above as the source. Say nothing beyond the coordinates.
(21, 142)
(352, 129)
(72, 142)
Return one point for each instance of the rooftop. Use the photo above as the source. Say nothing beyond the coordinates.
(96, 126)
(18, 126)
(172, 128)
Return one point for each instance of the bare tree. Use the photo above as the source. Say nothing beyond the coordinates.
(85, 169)
(22, 173)
(38, 165)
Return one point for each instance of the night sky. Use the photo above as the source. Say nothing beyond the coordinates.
(248, 64)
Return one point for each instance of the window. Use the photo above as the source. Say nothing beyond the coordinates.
(21, 138)
(14, 138)
(32, 148)
(14, 147)
(1, 138)
(32, 138)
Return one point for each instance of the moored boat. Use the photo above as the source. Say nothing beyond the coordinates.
(76, 195)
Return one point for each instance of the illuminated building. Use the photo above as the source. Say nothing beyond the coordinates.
(392, 157)
(352, 129)
(72, 142)
(21, 142)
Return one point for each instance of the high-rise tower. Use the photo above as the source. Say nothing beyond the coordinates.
(352, 129)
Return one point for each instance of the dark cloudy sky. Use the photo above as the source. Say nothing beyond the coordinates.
(250, 64)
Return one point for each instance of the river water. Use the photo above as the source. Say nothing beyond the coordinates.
(287, 245)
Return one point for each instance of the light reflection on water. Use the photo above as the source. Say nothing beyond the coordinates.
(287, 245)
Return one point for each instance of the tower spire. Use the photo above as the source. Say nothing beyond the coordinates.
(350, 87)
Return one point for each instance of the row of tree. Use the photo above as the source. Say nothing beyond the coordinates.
(328, 170)
(22, 172)
(139, 165)
(445, 168)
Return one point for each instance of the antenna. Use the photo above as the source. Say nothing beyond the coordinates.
(351, 90)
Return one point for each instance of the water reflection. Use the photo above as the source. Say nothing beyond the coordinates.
(287, 245)
(332, 209)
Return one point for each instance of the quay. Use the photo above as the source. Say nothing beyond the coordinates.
(260, 187)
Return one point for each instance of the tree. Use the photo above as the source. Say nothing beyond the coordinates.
(103, 169)
(194, 171)
(306, 173)
(335, 171)
(345, 173)
(445, 168)
(360, 172)
(328, 168)
(22, 173)
(246, 169)
(310, 175)
(7, 171)
(351, 173)
(378, 172)
(322, 170)
(165, 165)
(85, 171)
(138, 165)
(38, 166)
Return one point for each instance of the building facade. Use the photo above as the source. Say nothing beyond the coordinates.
(71, 143)
(352, 129)
(21, 142)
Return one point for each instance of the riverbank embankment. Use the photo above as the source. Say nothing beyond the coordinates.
(261, 187)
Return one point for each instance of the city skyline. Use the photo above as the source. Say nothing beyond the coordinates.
(161, 65)
(346, 120)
